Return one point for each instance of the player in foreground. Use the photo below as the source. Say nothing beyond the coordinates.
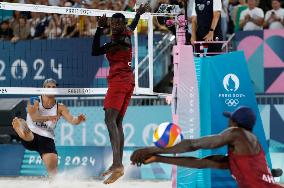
(120, 82)
(245, 159)
(37, 132)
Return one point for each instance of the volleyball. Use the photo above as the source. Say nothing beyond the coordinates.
(167, 135)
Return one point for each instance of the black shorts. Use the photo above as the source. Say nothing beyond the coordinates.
(40, 144)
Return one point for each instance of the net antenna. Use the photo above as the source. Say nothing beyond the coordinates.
(142, 86)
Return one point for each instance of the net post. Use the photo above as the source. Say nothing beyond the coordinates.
(136, 61)
(150, 51)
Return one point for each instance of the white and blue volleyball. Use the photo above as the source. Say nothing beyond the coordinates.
(167, 135)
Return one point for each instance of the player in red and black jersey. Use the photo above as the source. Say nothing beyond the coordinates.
(245, 160)
(120, 81)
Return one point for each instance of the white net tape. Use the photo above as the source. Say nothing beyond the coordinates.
(50, 91)
(65, 10)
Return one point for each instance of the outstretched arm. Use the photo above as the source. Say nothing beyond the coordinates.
(134, 22)
(63, 110)
(141, 10)
(188, 145)
(97, 49)
(213, 161)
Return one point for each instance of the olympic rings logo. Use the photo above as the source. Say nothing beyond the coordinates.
(232, 102)
(36, 7)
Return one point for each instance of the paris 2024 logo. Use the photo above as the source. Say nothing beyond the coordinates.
(231, 96)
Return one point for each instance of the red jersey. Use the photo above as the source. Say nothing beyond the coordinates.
(120, 64)
(251, 171)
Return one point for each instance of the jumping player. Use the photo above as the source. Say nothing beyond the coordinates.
(120, 82)
(37, 132)
(245, 159)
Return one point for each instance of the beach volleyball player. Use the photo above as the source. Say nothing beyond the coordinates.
(245, 160)
(120, 81)
(37, 131)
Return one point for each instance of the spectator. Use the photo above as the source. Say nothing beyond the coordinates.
(22, 30)
(102, 5)
(27, 1)
(54, 2)
(33, 23)
(117, 6)
(274, 18)
(252, 18)
(224, 18)
(41, 26)
(95, 4)
(206, 23)
(91, 26)
(67, 4)
(71, 28)
(87, 3)
(66, 21)
(189, 13)
(77, 4)
(42, 2)
(15, 19)
(83, 26)
(231, 8)
(130, 6)
(109, 4)
(53, 30)
(6, 33)
(237, 13)
(62, 3)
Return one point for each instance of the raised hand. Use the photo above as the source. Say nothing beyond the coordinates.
(102, 22)
(81, 118)
(143, 8)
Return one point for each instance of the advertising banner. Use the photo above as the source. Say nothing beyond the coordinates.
(230, 87)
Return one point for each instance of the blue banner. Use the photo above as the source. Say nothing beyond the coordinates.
(230, 87)
(27, 63)
(139, 124)
(11, 158)
(91, 161)
(69, 61)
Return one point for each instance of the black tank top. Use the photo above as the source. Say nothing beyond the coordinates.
(204, 12)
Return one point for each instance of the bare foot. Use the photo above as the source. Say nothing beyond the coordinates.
(108, 171)
(116, 174)
(21, 127)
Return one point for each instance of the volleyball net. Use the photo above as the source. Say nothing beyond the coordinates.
(55, 42)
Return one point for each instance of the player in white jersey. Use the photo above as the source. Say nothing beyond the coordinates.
(37, 132)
